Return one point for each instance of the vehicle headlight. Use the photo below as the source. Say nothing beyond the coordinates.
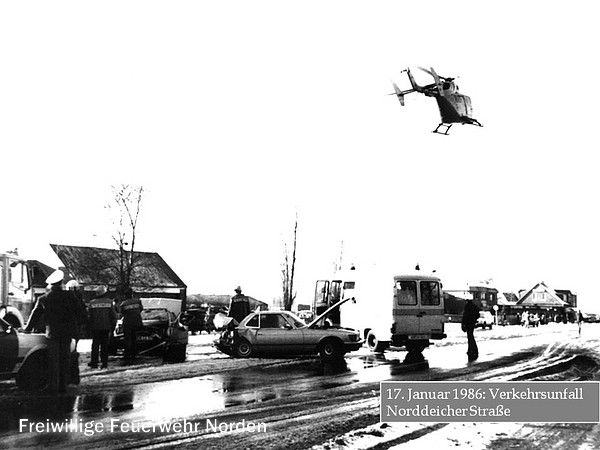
(353, 337)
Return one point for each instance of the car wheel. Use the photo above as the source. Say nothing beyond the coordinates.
(33, 375)
(491, 326)
(175, 353)
(242, 349)
(331, 348)
(374, 344)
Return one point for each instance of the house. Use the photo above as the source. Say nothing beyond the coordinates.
(543, 300)
(93, 267)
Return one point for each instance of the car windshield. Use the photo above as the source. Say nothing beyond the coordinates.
(155, 314)
(296, 321)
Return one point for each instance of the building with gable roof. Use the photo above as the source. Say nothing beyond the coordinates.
(93, 267)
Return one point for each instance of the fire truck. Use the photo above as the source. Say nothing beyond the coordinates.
(16, 293)
(400, 310)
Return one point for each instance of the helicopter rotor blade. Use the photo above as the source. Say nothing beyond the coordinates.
(437, 78)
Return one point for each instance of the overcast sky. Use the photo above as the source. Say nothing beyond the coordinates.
(237, 115)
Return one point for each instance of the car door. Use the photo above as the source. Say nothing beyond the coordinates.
(277, 335)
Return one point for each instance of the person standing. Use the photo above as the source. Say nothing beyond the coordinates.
(73, 286)
(102, 319)
(131, 310)
(239, 306)
(59, 311)
(579, 321)
(469, 320)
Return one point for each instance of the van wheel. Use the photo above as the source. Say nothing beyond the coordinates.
(375, 345)
(33, 375)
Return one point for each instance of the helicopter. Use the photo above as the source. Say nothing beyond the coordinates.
(454, 107)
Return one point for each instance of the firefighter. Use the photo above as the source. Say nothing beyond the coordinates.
(131, 310)
(239, 306)
(102, 319)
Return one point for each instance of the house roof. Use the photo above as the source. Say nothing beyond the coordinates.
(93, 266)
(554, 300)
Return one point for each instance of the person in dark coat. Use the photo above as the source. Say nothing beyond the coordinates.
(102, 319)
(469, 320)
(131, 310)
(239, 306)
(59, 311)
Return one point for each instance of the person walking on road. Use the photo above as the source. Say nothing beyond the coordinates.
(469, 320)
(102, 319)
(131, 310)
(579, 321)
(59, 311)
(239, 306)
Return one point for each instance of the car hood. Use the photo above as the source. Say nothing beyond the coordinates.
(331, 308)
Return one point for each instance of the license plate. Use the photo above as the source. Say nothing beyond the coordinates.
(414, 337)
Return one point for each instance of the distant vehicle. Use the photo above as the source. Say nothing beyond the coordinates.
(591, 317)
(284, 333)
(199, 319)
(401, 310)
(23, 356)
(485, 320)
(533, 320)
(161, 332)
(454, 107)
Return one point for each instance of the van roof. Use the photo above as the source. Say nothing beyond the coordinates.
(416, 276)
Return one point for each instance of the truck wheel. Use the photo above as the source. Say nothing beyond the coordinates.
(33, 375)
(242, 349)
(374, 344)
(331, 348)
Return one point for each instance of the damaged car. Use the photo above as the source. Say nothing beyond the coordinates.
(284, 333)
(24, 357)
(161, 333)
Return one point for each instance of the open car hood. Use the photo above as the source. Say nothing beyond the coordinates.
(331, 308)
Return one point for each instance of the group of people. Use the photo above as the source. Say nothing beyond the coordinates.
(62, 314)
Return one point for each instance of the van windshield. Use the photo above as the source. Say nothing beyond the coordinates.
(430, 293)
(406, 292)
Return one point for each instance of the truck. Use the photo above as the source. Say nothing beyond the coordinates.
(16, 293)
(400, 310)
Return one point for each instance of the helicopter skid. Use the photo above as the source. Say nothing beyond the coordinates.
(445, 133)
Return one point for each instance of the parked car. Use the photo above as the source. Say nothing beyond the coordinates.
(161, 332)
(284, 333)
(533, 320)
(486, 319)
(591, 317)
(23, 356)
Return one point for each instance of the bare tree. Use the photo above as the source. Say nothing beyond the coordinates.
(287, 271)
(125, 208)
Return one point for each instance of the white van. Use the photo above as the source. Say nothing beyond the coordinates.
(401, 310)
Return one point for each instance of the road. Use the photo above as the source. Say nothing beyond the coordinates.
(301, 402)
